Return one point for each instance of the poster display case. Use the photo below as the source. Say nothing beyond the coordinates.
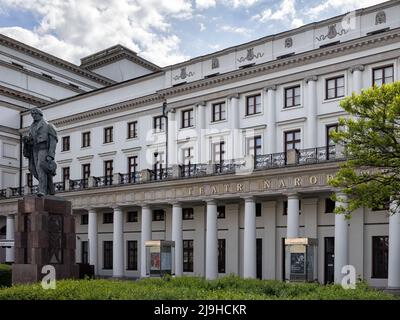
(160, 258)
(301, 259)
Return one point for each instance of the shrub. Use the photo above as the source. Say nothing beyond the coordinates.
(5, 275)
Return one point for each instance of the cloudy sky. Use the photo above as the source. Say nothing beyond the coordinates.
(163, 31)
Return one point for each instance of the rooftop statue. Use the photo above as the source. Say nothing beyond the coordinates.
(39, 148)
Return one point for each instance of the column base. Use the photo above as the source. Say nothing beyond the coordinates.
(394, 291)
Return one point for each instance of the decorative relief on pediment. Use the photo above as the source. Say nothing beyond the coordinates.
(380, 17)
(250, 56)
(332, 33)
(214, 63)
(288, 42)
(184, 74)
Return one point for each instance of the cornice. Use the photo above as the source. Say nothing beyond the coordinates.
(12, 106)
(21, 96)
(19, 46)
(118, 107)
(315, 55)
(41, 77)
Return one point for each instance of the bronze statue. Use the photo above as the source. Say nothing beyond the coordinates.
(39, 148)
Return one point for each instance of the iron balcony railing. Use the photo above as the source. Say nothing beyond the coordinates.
(261, 162)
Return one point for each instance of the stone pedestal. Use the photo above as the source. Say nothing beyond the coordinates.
(44, 235)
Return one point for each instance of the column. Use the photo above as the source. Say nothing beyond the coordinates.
(10, 232)
(211, 241)
(394, 247)
(249, 256)
(341, 238)
(311, 141)
(357, 78)
(92, 238)
(118, 243)
(269, 240)
(172, 131)
(201, 156)
(145, 236)
(233, 148)
(293, 216)
(177, 237)
(270, 141)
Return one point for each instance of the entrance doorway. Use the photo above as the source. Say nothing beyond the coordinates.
(259, 258)
(329, 260)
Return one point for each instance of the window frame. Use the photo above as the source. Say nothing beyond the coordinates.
(221, 212)
(85, 252)
(221, 110)
(108, 218)
(335, 79)
(382, 68)
(221, 255)
(158, 215)
(375, 274)
(107, 255)
(187, 214)
(108, 135)
(132, 255)
(84, 219)
(293, 142)
(132, 130)
(188, 248)
(66, 144)
(132, 216)
(255, 104)
(86, 136)
(293, 97)
(159, 124)
(187, 121)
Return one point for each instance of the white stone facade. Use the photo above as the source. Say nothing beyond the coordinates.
(283, 89)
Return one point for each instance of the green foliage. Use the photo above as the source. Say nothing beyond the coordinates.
(188, 288)
(5, 275)
(370, 176)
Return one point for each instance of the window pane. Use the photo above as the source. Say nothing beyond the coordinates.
(378, 82)
(297, 91)
(297, 100)
(289, 102)
(388, 71)
(340, 82)
(289, 93)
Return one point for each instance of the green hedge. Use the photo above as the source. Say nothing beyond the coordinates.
(189, 288)
(5, 275)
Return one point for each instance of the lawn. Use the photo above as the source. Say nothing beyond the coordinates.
(189, 288)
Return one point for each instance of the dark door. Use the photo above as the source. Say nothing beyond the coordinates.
(259, 258)
(329, 259)
(283, 260)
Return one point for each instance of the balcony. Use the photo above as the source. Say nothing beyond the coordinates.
(246, 165)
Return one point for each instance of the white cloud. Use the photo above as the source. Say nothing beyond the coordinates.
(297, 22)
(202, 27)
(205, 4)
(344, 5)
(238, 30)
(286, 12)
(71, 29)
(240, 3)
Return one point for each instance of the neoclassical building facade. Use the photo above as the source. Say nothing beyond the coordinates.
(226, 154)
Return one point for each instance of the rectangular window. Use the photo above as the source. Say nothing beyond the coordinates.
(329, 129)
(85, 174)
(187, 118)
(108, 218)
(187, 214)
(132, 216)
(258, 209)
(85, 139)
(382, 75)
(108, 135)
(132, 255)
(65, 143)
(159, 124)
(221, 212)
(187, 255)
(132, 130)
(218, 152)
(84, 252)
(218, 111)
(292, 97)
(29, 180)
(108, 171)
(329, 205)
(253, 104)
(84, 218)
(292, 140)
(334, 87)
(107, 254)
(187, 156)
(221, 255)
(132, 168)
(158, 215)
(65, 174)
(380, 248)
(254, 146)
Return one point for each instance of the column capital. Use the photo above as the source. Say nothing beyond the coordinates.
(248, 198)
(116, 207)
(93, 209)
(173, 110)
(210, 201)
(358, 67)
(234, 96)
(145, 206)
(272, 87)
(292, 195)
(201, 104)
(311, 78)
(175, 203)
